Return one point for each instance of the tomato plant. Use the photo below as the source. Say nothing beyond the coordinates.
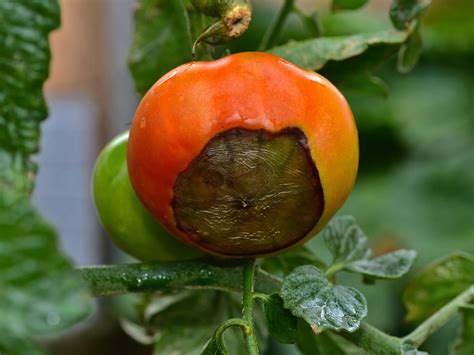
(243, 152)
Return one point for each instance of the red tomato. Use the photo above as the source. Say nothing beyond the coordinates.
(243, 156)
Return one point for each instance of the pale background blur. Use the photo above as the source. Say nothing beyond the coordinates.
(91, 99)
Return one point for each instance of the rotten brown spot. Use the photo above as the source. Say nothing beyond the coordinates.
(249, 192)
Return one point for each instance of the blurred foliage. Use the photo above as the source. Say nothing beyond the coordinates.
(39, 292)
(437, 285)
(464, 344)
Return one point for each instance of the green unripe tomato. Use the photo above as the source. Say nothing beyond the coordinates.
(123, 216)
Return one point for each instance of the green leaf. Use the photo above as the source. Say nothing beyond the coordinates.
(437, 285)
(345, 240)
(283, 263)
(24, 66)
(464, 344)
(403, 12)
(317, 52)
(213, 348)
(325, 343)
(308, 294)
(410, 51)
(388, 266)
(347, 4)
(40, 293)
(184, 327)
(348, 245)
(163, 39)
(348, 61)
(280, 322)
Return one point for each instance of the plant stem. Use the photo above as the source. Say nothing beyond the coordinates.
(247, 302)
(219, 334)
(373, 340)
(109, 280)
(274, 30)
(332, 269)
(438, 319)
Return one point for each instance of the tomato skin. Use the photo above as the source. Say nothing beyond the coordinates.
(123, 216)
(194, 102)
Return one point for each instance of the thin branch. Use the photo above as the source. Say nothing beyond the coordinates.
(109, 280)
(440, 318)
(247, 307)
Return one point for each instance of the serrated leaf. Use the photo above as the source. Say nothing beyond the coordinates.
(186, 325)
(308, 294)
(316, 53)
(212, 348)
(402, 12)
(280, 322)
(324, 343)
(345, 240)
(464, 344)
(40, 293)
(388, 266)
(437, 285)
(347, 4)
(163, 39)
(285, 262)
(24, 66)
(348, 245)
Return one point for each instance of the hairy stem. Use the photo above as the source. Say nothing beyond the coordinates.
(233, 322)
(373, 340)
(272, 33)
(438, 319)
(247, 311)
(109, 280)
(332, 269)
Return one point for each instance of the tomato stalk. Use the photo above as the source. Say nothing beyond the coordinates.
(234, 19)
(247, 302)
